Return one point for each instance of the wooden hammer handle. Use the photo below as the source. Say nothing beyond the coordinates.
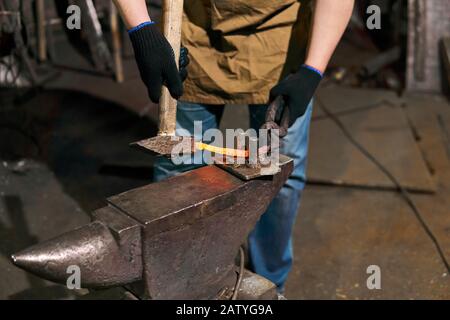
(172, 16)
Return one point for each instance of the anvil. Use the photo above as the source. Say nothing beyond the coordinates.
(177, 238)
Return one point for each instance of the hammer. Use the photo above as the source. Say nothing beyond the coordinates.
(166, 139)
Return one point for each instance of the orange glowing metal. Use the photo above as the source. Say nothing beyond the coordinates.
(225, 151)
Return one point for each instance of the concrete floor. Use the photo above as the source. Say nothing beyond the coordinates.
(341, 231)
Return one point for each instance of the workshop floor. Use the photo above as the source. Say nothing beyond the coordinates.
(341, 231)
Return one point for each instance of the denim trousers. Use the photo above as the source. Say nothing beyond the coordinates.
(270, 242)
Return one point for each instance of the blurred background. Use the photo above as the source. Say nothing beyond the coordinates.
(71, 101)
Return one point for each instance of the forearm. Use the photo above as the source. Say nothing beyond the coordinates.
(329, 22)
(133, 12)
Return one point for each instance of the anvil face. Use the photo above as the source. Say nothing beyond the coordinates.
(180, 236)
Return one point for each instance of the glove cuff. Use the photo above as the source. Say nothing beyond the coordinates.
(146, 37)
(311, 73)
(314, 77)
(320, 73)
(139, 26)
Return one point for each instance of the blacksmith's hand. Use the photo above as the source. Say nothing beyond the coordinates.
(156, 61)
(297, 90)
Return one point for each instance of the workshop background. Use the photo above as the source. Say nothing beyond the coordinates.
(378, 190)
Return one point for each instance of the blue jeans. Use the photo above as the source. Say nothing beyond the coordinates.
(270, 243)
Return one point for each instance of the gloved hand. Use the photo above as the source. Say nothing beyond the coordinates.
(156, 61)
(297, 90)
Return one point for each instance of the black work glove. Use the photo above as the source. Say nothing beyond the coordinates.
(156, 61)
(183, 63)
(297, 90)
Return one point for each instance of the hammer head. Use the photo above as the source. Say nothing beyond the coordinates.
(165, 145)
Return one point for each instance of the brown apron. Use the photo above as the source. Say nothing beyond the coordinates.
(239, 49)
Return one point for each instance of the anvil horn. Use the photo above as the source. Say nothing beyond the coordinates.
(105, 257)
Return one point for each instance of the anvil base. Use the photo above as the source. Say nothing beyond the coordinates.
(253, 287)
